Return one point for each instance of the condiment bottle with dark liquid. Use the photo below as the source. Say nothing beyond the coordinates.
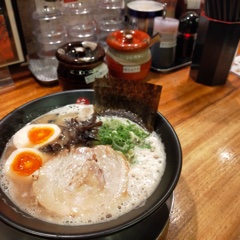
(187, 34)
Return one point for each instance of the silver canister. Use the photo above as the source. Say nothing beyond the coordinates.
(141, 15)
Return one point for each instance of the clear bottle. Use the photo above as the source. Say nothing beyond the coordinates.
(49, 33)
(79, 21)
(48, 28)
(109, 18)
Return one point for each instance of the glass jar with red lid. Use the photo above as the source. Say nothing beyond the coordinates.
(128, 55)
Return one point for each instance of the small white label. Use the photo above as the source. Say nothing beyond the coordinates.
(102, 71)
(131, 69)
(98, 72)
(90, 78)
(168, 44)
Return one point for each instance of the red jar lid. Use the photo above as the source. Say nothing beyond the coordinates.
(128, 40)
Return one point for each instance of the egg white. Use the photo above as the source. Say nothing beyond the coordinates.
(20, 138)
(7, 166)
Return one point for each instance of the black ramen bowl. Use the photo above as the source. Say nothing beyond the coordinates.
(12, 216)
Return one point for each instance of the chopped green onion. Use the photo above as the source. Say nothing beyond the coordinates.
(122, 135)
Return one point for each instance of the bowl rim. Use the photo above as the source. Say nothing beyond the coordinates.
(92, 229)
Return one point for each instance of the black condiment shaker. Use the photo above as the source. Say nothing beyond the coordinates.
(187, 34)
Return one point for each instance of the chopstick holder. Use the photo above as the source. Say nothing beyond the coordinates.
(215, 48)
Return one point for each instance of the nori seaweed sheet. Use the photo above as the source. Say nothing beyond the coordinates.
(135, 100)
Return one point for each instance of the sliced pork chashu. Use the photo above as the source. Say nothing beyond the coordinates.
(83, 182)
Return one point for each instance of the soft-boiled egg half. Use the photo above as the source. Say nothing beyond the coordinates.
(23, 163)
(36, 135)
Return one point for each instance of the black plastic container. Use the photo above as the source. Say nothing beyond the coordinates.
(215, 48)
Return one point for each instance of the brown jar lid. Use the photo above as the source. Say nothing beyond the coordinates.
(80, 53)
(128, 40)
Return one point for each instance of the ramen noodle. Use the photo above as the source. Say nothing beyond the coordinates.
(61, 167)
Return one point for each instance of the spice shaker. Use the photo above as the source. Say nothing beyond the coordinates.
(163, 53)
(187, 35)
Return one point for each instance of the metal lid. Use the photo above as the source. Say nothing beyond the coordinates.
(145, 9)
(128, 40)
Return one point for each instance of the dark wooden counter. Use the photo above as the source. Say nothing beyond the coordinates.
(207, 121)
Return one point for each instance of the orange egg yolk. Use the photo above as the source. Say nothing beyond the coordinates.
(39, 135)
(26, 163)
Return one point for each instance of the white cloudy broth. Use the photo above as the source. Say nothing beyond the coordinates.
(139, 178)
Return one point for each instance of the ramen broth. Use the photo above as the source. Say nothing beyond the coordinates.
(86, 185)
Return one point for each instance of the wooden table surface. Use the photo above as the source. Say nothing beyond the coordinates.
(207, 122)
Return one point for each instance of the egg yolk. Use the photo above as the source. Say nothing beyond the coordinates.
(39, 135)
(26, 163)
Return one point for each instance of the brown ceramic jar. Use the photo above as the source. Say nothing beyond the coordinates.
(80, 63)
